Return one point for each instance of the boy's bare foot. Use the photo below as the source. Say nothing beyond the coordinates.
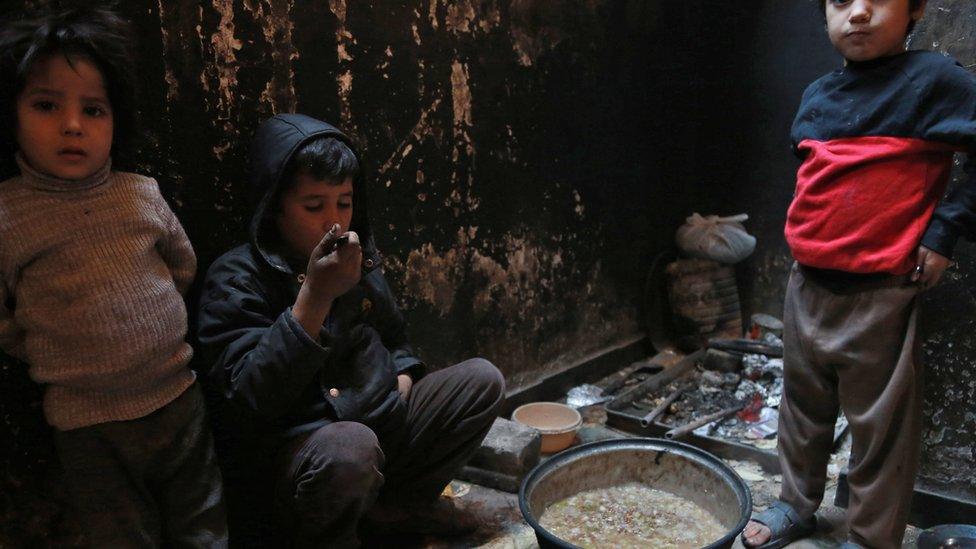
(755, 534)
(777, 526)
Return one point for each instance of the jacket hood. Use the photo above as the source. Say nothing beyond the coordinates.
(275, 142)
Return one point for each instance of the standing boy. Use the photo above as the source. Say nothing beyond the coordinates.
(877, 139)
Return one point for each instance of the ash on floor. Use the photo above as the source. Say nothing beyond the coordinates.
(503, 526)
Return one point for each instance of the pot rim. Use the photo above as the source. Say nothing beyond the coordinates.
(540, 471)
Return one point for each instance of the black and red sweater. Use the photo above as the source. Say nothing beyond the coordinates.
(877, 140)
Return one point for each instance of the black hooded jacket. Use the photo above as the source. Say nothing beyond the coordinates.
(267, 378)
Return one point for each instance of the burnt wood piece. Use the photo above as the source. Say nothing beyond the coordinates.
(648, 367)
(624, 414)
(646, 420)
(679, 432)
(749, 346)
(722, 361)
(658, 381)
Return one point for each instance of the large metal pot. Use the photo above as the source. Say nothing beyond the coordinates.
(945, 536)
(666, 465)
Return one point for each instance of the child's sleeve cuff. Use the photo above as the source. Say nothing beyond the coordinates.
(940, 238)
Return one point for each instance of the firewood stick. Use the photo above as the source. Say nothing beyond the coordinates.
(655, 382)
(653, 414)
(679, 432)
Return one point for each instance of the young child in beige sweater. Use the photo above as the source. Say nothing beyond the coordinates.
(92, 267)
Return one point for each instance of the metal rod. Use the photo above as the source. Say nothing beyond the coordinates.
(657, 381)
(679, 432)
(653, 414)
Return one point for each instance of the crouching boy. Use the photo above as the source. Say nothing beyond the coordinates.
(315, 382)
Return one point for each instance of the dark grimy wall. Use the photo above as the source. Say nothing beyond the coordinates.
(949, 320)
(526, 158)
(754, 170)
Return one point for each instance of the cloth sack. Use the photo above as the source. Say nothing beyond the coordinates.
(721, 239)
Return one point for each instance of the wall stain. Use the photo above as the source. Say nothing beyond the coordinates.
(344, 41)
(519, 281)
(461, 94)
(432, 14)
(459, 17)
(224, 68)
(345, 92)
(433, 277)
(463, 17)
(172, 84)
(223, 72)
(274, 17)
(538, 26)
(463, 143)
(513, 284)
(415, 31)
(417, 133)
(492, 19)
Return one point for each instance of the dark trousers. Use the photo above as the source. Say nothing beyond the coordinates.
(147, 482)
(330, 478)
(852, 345)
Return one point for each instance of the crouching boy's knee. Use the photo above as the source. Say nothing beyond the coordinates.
(485, 379)
(339, 460)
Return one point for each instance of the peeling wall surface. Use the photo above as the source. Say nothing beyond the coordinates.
(527, 159)
(517, 152)
(758, 80)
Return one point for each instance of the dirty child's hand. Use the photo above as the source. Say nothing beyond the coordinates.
(331, 273)
(929, 267)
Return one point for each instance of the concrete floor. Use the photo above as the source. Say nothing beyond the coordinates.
(503, 526)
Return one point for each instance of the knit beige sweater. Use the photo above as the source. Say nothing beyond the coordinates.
(91, 277)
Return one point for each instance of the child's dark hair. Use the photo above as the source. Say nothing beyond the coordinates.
(912, 6)
(96, 34)
(323, 158)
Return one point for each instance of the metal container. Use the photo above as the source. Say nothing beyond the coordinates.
(683, 470)
(955, 536)
(624, 414)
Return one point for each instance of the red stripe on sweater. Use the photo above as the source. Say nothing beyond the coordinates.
(862, 203)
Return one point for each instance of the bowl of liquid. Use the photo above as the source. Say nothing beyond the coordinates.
(635, 492)
(557, 423)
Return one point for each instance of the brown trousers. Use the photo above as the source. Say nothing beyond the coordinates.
(331, 477)
(147, 482)
(852, 343)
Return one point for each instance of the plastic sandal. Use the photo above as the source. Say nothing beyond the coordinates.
(784, 524)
